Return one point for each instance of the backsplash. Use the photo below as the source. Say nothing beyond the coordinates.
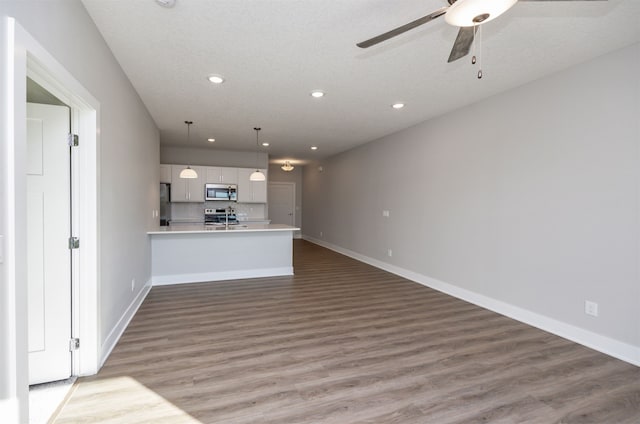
(195, 211)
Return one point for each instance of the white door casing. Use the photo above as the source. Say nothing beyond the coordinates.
(48, 254)
(22, 56)
(282, 203)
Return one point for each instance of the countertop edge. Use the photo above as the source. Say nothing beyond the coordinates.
(213, 230)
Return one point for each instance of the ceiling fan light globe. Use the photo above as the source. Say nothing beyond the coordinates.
(464, 12)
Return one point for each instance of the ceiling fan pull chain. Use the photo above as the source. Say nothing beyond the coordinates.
(473, 53)
(480, 53)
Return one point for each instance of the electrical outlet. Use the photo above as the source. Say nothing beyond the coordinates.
(591, 308)
(133, 284)
(390, 253)
(385, 214)
(320, 234)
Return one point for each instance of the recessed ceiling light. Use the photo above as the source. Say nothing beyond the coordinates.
(397, 105)
(211, 140)
(317, 94)
(265, 144)
(216, 79)
(166, 3)
(314, 147)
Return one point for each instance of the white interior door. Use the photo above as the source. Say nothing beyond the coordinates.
(48, 231)
(282, 203)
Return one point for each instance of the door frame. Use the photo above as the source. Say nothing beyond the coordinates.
(21, 56)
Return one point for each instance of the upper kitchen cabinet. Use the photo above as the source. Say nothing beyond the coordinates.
(221, 175)
(165, 174)
(251, 191)
(187, 189)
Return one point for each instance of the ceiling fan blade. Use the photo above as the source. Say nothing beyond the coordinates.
(402, 29)
(462, 44)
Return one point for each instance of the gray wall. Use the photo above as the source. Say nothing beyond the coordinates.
(129, 148)
(276, 174)
(211, 157)
(530, 197)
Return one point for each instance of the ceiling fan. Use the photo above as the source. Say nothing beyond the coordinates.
(465, 14)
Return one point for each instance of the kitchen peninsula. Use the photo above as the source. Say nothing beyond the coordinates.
(199, 253)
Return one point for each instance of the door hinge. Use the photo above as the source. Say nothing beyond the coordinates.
(74, 344)
(74, 242)
(72, 140)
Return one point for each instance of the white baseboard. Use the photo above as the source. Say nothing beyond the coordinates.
(624, 351)
(115, 334)
(220, 276)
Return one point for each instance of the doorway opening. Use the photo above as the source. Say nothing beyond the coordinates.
(282, 203)
(49, 284)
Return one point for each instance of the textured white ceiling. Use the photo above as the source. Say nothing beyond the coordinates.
(274, 52)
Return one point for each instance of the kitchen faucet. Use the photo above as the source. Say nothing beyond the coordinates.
(227, 211)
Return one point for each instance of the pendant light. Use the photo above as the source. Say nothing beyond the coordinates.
(188, 172)
(257, 175)
(287, 167)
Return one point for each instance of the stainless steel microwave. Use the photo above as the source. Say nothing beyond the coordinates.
(228, 192)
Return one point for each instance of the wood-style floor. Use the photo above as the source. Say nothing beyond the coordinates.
(343, 342)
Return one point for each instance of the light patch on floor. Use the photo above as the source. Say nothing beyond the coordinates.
(45, 398)
(131, 402)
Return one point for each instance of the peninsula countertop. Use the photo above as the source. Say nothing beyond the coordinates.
(202, 229)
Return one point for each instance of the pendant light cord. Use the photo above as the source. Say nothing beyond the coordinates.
(257, 145)
(188, 129)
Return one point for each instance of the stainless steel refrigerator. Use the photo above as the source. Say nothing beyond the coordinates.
(165, 204)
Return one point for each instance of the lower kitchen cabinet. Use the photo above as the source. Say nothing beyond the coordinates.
(187, 189)
(251, 191)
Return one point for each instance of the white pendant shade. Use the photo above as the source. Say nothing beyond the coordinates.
(463, 12)
(188, 173)
(257, 175)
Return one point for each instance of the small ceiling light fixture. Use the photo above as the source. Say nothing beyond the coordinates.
(314, 147)
(470, 13)
(216, 79)
(397, 105)
(257, 175)
(287, 167)
(211, 140)
(317, 94)
(166, 3)
(188, 172)
(265, 144)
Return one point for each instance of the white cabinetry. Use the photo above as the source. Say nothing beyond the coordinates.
(221, 175)
(165, 174)
(187, 189)
(251, 191)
